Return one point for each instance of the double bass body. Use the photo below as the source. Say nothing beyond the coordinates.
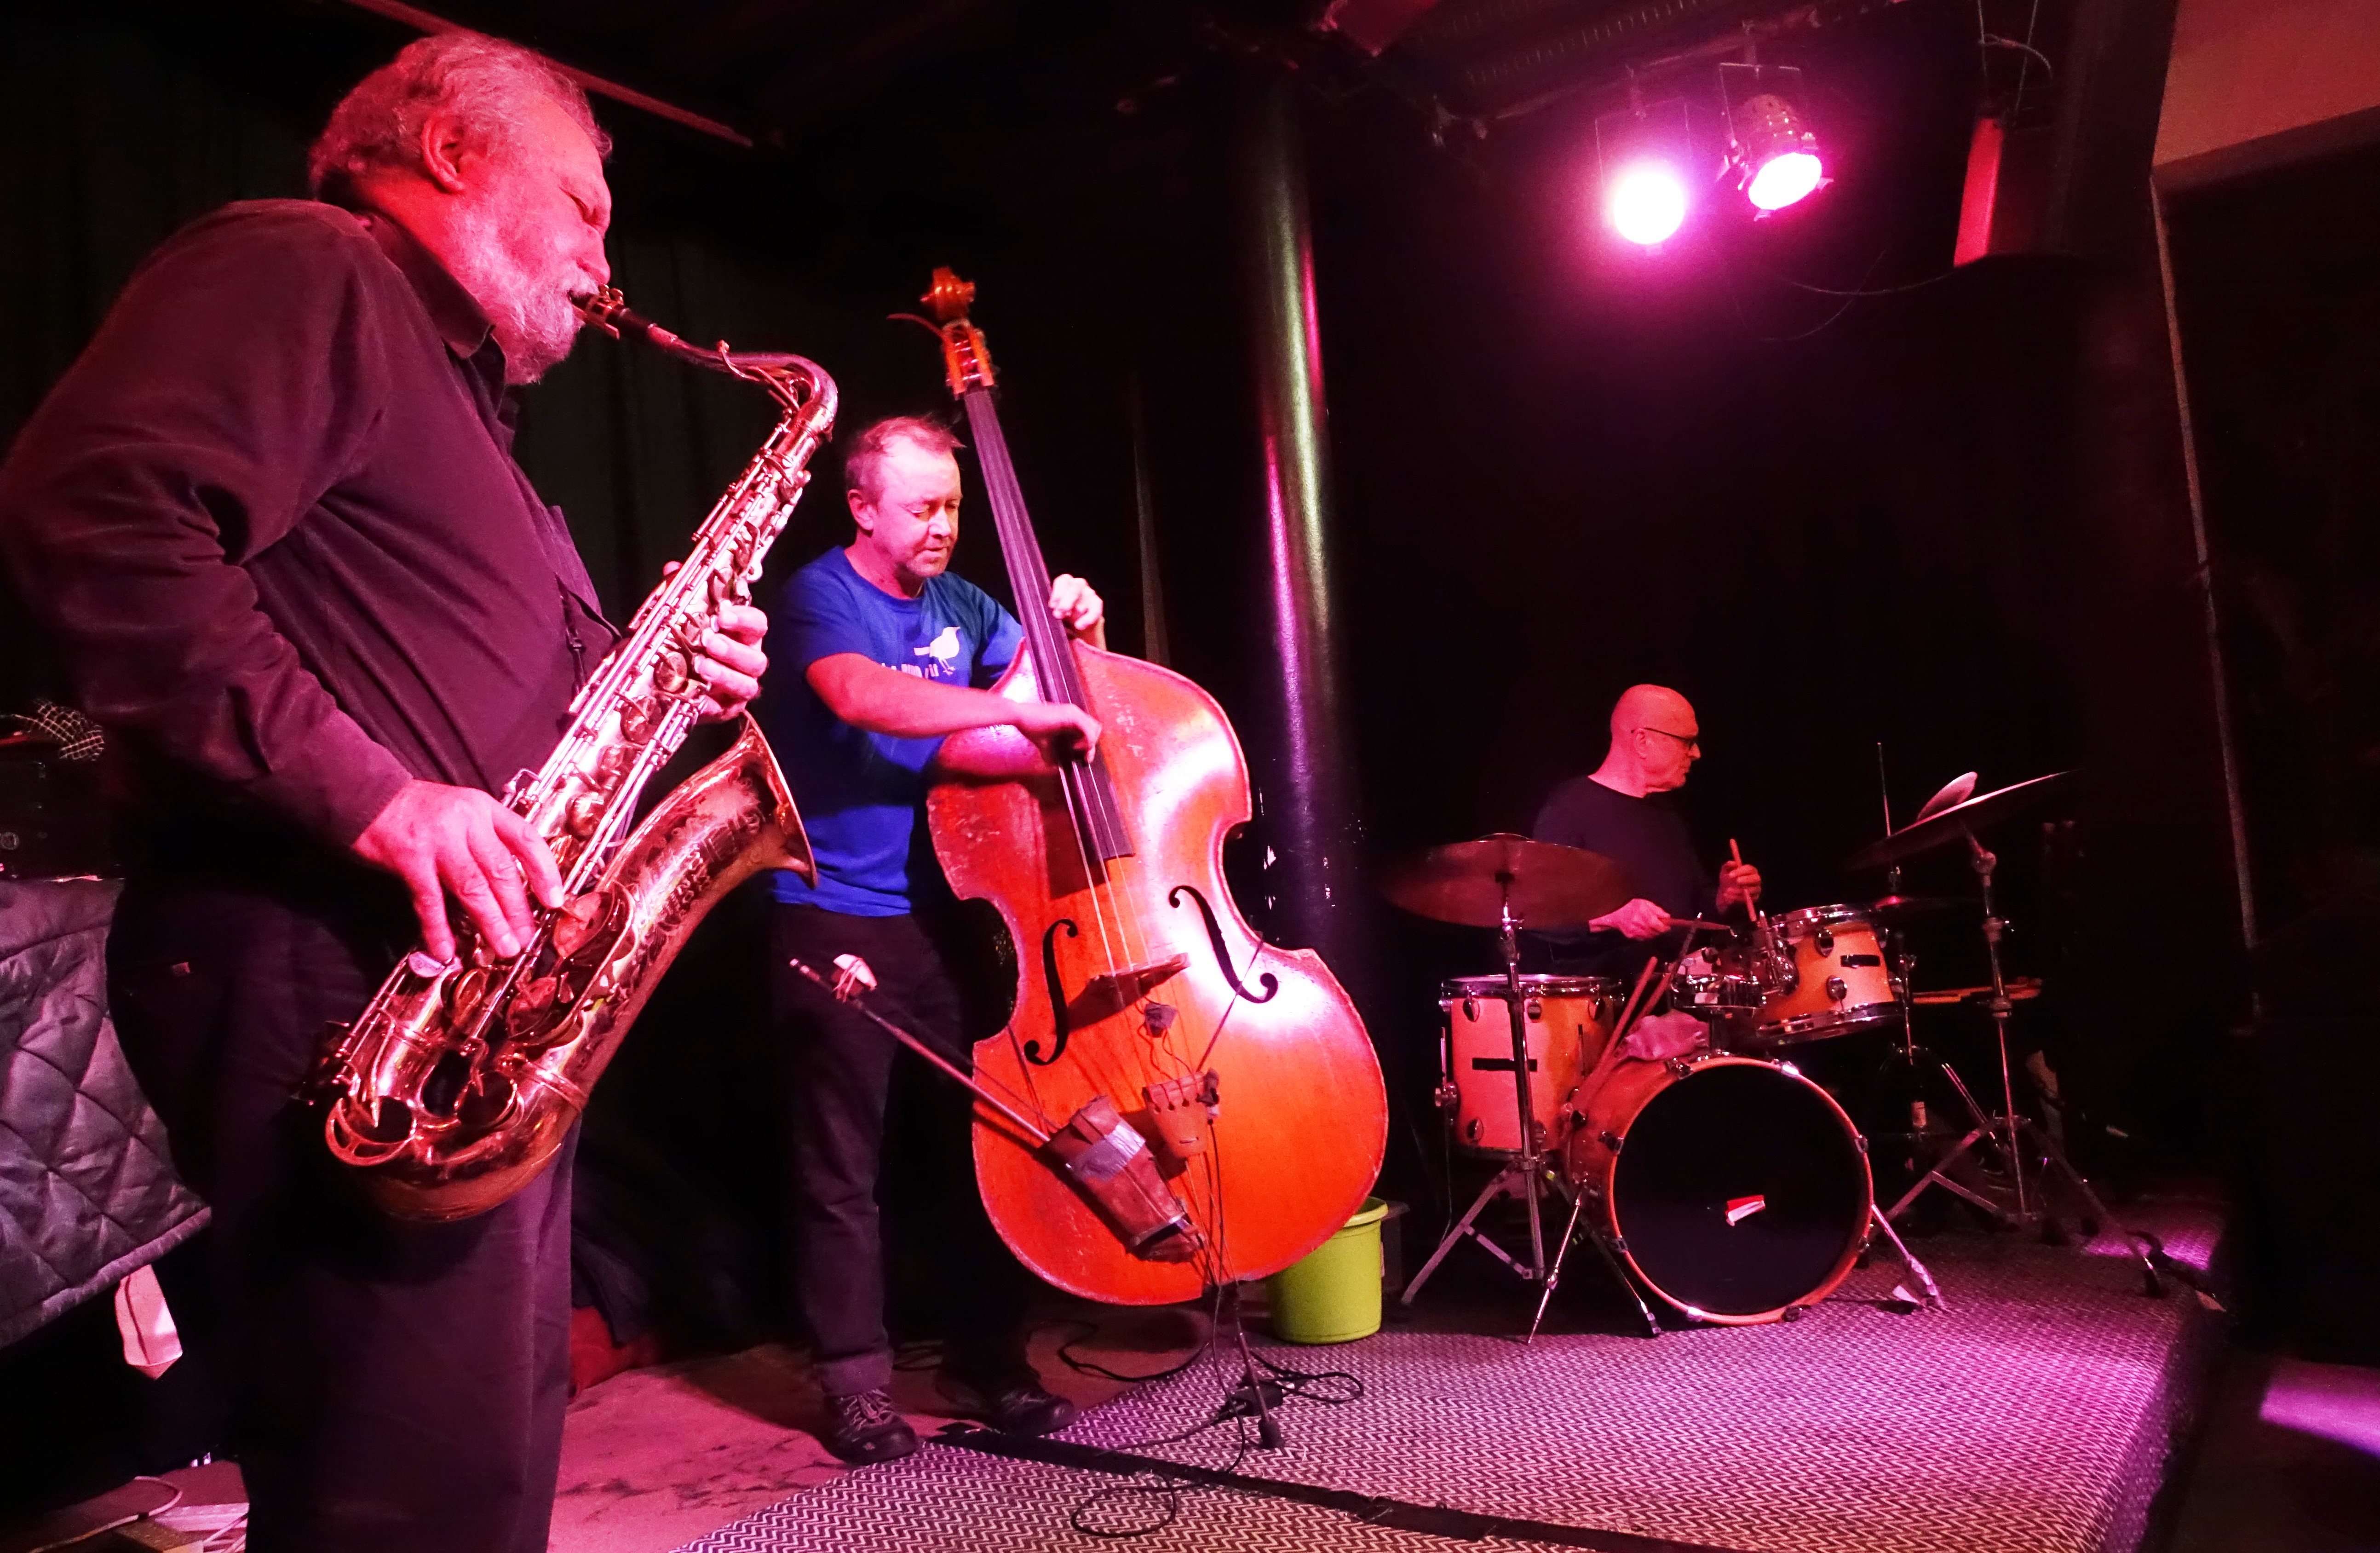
(1142, 996)
(1300, 1119)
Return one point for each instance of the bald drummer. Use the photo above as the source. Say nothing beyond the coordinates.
(1623, 810)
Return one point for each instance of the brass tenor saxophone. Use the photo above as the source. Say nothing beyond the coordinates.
(458, 1082)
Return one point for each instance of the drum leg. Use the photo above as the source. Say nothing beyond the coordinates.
(1939, 1176)
(1620, 1276)
(1916, 1268)
(1518, 1172)
(2154, 1263)
(1553, 1273)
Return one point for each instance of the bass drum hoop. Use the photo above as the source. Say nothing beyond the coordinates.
(1610, 1188)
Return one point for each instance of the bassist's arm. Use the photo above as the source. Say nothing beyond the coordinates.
(867, 694)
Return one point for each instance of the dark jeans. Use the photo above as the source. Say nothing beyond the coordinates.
(395, 1386)
(837, 1071)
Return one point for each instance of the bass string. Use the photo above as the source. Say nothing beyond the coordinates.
(1088, 803)
(1045, 638)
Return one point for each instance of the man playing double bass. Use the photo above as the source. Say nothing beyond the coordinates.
(883, 653)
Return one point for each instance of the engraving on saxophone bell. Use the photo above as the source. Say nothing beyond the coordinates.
(455, 1087)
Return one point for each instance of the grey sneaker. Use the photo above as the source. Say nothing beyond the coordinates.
(1013, 1403)
(863, 1428)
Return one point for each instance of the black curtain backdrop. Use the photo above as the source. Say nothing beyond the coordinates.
(2277, 283)
(1832, 520)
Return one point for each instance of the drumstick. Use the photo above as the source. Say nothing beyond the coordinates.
(1628, 1009)
(1618, 1046)
(1749, 910)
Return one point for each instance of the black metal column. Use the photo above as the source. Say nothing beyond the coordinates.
(1308, 819)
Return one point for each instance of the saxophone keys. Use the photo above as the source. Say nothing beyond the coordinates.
(582, 814)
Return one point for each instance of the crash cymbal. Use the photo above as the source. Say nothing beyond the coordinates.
(1468, 883)
(1951, 824)
(1913, 906)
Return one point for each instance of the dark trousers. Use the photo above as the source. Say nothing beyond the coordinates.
(838, 1070)
(395, 1386)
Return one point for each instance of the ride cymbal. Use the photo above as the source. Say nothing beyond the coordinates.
(1469, 882)
(1958, 820)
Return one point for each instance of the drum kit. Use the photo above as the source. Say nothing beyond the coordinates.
(1717, 1178)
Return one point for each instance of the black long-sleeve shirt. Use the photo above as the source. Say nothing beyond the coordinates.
(1648, 837)
(272, 520)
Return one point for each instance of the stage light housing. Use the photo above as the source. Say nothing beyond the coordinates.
(1646, 155)
(1774, 155)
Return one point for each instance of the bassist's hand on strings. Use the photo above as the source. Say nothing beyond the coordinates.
(1061, 730)
(1079, 609)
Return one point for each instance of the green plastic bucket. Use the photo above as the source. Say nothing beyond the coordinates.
(1333, 1293)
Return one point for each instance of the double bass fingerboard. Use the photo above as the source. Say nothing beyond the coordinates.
(1091, 794)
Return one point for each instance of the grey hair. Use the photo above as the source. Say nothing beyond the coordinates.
(863, 466)
(485, 83)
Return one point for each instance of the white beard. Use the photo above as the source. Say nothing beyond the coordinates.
(531, 313)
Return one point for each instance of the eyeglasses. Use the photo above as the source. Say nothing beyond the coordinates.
(1692, 741)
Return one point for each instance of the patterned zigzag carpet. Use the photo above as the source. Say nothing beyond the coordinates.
(2039, 1413)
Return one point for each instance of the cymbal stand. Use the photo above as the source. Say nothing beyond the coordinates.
(2009, 1131)
(1524, 1177)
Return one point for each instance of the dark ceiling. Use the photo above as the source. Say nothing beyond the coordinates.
(787, 71)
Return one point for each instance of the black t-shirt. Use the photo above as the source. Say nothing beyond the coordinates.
(1648, 837)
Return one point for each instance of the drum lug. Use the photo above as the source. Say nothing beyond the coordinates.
(1679, 1067)
(1537, 1136)
(1619, 1244)
(1794, 1313)
(1449, 1097)
(1862, 1139)
(1836, 989)
(1824, 941)
(1471, 1131)
(1609, 1140)
(1534, 1011)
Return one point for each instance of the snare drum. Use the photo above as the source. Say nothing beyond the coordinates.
(1567, 1023)
(1835, 978)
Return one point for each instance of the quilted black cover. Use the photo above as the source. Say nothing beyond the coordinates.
(87, 1189)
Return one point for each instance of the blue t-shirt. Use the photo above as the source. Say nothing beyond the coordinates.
(862, 794)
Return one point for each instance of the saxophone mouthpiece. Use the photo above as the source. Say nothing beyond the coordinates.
(600, 308)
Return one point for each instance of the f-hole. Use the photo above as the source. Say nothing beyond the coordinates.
(1057, 994)
(1269, 982)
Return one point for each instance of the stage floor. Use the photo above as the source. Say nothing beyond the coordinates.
(2040, 1412)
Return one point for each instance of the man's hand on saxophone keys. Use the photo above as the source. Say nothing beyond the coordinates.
(731, 663)
(457, 840)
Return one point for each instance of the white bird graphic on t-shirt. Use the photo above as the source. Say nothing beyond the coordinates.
(944, 649)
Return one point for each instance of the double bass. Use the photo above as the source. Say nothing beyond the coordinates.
(1152, 1027)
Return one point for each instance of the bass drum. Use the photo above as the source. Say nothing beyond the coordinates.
(1736, 1189)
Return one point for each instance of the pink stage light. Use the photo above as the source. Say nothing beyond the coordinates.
(1774, 153)
(1782, 180)
(1646, 203)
